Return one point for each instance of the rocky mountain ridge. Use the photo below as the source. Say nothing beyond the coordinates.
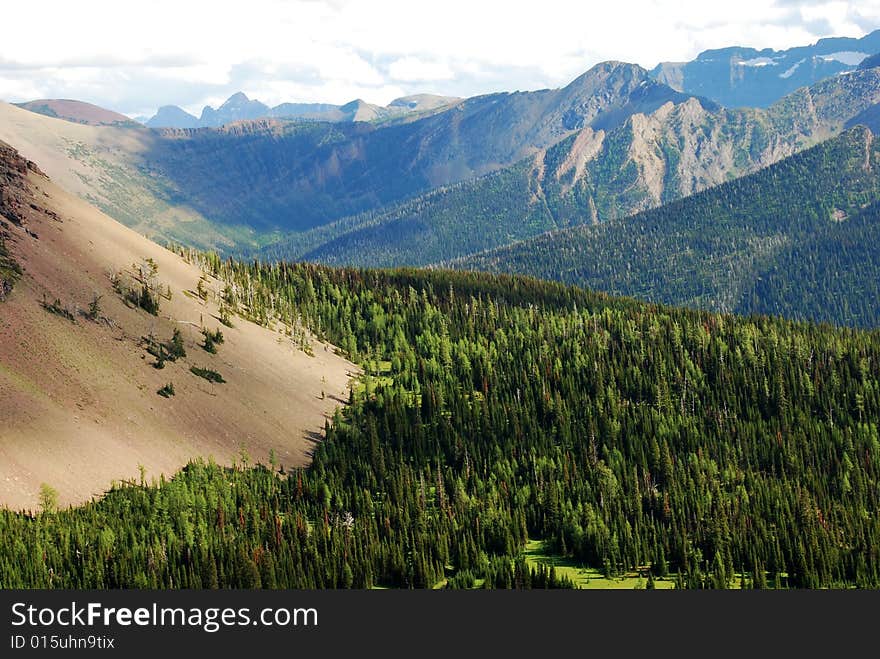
(239, 107)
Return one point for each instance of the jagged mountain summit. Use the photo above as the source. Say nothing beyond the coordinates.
(747, 77)
(239, 107)
(236, 107)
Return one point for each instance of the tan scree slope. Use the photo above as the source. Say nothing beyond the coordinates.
(78, 401)
(106, 166)
(76, 111)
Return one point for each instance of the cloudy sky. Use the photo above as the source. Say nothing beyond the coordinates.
(134, 57)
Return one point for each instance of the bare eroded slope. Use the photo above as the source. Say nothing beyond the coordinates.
(78, 401)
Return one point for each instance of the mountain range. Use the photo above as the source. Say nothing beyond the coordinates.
(449, 180)
(592, 176)
(733, 77)
(239, 107)
(748, 77)
(256, 179)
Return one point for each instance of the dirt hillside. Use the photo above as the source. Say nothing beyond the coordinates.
(78, 397)
(76, 111)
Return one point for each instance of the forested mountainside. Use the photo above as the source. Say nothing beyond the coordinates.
(799, 238)
(593, 176)
(748, 77)
(708, 449)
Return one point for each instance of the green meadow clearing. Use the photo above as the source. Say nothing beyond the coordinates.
(589, 578)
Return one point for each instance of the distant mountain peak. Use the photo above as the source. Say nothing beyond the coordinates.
(75, 111)
(619, 75)
(171, 116)
(236, 108)
(238, 98)
(611, 91)
(610, 68)
(351, 105)
(747, 77)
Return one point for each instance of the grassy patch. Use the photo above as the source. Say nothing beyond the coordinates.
(360, 385)
(586, 577)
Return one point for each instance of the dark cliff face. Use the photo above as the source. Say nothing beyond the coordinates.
(14, 198)
(15, 206)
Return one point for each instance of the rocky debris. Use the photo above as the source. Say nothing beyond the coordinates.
(10, 160)
(15, 202)
(16, 206)
(10, 205)
(5, 287)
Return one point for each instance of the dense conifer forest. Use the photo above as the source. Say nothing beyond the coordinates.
(799, 239)
(498, 409)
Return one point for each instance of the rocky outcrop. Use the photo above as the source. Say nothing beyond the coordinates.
(16, 207)
(13, 184)
(683, 148)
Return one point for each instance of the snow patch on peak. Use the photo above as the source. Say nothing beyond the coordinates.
(848, 57)
(790, 72)
(759, 61)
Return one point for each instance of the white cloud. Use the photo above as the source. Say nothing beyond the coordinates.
(131, 57)
(414, 69)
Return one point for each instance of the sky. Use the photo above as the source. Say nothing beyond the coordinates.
(135, 57)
